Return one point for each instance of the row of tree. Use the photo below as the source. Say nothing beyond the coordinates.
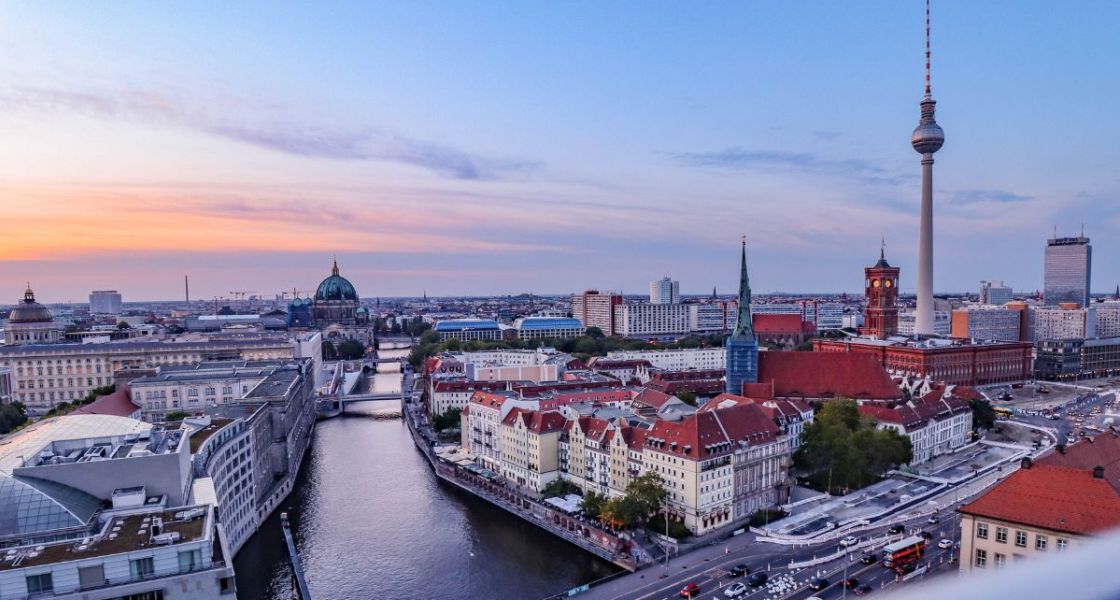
(593, 343)
(643, 498)
(11, 416)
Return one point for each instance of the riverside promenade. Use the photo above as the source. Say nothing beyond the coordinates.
(586, 536)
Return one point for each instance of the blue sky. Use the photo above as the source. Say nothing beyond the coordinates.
(471, 148)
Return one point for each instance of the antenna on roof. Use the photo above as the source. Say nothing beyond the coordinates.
(928, 89)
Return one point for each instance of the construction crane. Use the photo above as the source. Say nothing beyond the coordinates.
(294, 293)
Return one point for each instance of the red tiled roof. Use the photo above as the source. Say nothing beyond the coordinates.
(536, 421)
(826, 375)
(118, 403)
(759, 390)
(1101, 450)
(776, 323)
(489, 400)
(1051, 497)
(712, 433)
(652, 398)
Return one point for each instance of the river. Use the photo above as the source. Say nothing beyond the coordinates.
(372, 521)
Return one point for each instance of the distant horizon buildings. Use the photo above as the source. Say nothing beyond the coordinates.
(105, 302)
(1067, 270)
(995, 292)
(664, 291)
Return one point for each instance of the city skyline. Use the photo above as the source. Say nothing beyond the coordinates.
(229, 153)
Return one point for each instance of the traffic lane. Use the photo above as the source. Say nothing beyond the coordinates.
(709, 575)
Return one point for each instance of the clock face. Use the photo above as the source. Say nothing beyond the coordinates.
(888, 283)
(875, 283)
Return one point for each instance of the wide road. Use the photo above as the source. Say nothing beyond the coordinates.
(708, 567)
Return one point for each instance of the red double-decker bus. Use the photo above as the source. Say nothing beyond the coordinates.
(904, 552)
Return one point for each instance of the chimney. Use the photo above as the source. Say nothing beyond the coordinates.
(1025, 463)
(1098, 472)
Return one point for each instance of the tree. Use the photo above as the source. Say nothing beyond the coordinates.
(592, 504)
(842, 450)
(649, 491)
(351, 350)
(559, 487)
(11, 416)
(687, 396)
(123, 326)
(175, 415)
(983, 416)
(329, 351)
(623, 512)
(450, 418)
(594, 332)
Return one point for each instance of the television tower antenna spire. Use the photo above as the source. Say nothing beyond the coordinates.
(929, 90)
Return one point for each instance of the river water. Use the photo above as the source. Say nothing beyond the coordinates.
(372, 521)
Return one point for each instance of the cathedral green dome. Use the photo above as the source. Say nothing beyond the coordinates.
(336, 287)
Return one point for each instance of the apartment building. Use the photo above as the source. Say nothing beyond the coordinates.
(634, 320)
(192, 388)
(530, 448)
(595, 309)
(685, 359)
(936, 424)
(1063, 322)
(986, 323)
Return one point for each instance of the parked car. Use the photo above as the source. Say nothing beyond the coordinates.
(868, 559)
(689, 591)
(818, 584)
(757, 580)
(738, 570)
(849, 541)
(896, 529)
(945, 544)
(736, 590)
(932, 520)
(863, 590)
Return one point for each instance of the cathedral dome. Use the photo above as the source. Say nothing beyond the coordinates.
(29, 311)
(336, 287)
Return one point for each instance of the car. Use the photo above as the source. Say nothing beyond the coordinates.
(868, 559)
(945, 544)
(863, 590)
(736, 590)
(851, 583)
(739, 570)
(689, 590)
(848, 541)
(758, 579)
(818, 584)
(905, 568)
(932, 520)
(896, 529)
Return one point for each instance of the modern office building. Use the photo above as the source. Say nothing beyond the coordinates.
(105, 302)
(664, 291)
(636, 320)
(907, 323)
(1068, 268)
(712, 317)
(986, 322)
(1063, 322)
(537, 328)
(685, 359)
(825, 315)
(994, 292)
(193, 388)
(466, 330)
(595, 309)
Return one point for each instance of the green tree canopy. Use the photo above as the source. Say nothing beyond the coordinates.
(842, 450)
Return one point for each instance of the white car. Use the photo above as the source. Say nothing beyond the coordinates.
(848, 541)
(945, 544)
(736, 590)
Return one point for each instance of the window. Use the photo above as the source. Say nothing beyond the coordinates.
(982, 558)
(1062, 544)
(1021, 539)
(142, 568)
(1040, 543)
(91, 577)
(1001, 560)
(1001, 535)
(40, 584)
(982, 531)
(189, 561)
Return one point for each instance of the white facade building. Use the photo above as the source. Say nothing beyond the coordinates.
(652, 319)
(942, 323)
(995, 293)
(685, 359)
(1057, 323)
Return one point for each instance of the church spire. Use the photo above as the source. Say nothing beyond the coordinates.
(744, 327)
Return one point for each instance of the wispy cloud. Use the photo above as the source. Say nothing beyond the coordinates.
(981, 196)
(287, 136)
(743, 159)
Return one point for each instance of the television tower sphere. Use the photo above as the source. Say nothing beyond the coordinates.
(928, 137)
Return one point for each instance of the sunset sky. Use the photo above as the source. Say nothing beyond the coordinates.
(501, 147)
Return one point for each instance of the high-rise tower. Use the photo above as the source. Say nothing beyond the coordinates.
(742, 345)
(928, 138)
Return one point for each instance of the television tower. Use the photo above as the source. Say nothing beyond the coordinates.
(927, 138)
